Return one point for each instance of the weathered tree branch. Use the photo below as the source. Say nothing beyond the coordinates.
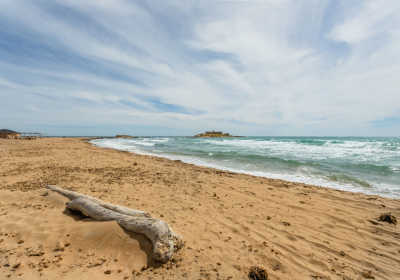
(93, 210)
(116, 208)
(164, 240)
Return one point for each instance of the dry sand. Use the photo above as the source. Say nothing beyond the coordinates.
(229, 221)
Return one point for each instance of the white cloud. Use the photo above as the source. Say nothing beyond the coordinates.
(258, 67)
(373, 18)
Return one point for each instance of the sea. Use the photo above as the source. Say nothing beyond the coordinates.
(369, 165)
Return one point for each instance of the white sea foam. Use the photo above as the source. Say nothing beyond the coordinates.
(236, 155)
(145, 144)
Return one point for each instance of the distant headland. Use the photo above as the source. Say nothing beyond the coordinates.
(215, 134)
(126, 136)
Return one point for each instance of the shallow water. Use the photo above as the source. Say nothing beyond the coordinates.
(360, 164)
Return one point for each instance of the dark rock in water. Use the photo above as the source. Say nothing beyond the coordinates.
(388, 217)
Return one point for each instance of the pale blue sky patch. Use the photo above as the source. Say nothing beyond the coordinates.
(390, 122)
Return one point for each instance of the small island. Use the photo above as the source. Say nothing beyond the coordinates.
(126, 136)
(215, 134)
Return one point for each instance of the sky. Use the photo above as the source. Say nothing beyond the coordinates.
(178, 68)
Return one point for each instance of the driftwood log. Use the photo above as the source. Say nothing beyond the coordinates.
(116, 208)
(164, 240)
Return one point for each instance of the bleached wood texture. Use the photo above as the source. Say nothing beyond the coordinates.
(116, 208)
(164, 240)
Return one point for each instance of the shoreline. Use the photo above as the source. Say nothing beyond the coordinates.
(336, 185)
(229, 221)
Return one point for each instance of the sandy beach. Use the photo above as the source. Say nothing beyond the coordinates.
(229, 221)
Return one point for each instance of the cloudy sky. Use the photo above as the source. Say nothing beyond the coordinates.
(273, 67)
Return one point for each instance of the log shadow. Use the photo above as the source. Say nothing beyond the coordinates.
(145, 244)
(76, 215)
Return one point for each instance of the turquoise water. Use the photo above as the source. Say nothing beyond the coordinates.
(360, 164)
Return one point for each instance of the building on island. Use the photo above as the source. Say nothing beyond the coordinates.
(215, 134)
(9, 134)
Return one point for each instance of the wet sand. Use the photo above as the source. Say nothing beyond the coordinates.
(229, 221)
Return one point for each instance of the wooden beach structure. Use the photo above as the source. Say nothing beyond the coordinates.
(10, 134)
(32, 135)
